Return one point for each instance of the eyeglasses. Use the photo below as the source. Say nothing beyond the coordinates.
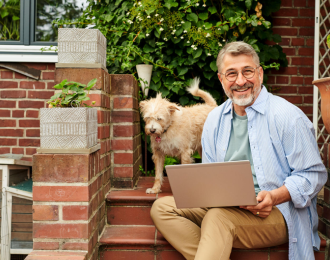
(248, 73)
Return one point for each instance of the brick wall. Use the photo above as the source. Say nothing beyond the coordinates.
(20, 100)
(125, 133)
(295, 23)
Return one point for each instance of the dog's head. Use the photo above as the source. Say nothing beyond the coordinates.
(157, 114)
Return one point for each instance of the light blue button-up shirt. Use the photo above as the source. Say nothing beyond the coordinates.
(284, 152)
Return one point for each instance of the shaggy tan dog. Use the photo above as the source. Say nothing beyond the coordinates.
(174, 130)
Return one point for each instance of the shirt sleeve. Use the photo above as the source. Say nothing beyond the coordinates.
(207, 144)
(308, 174)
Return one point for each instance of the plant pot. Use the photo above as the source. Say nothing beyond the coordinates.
(324, 86)
(68, 128)
(144, 72)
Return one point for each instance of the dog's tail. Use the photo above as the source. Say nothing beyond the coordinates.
(194, 90)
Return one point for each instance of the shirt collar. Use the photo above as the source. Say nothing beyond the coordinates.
(259, 105)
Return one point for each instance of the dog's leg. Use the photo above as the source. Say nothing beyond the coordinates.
(186, 157)
(158, 159)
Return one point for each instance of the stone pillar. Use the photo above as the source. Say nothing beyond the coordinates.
(126, 152)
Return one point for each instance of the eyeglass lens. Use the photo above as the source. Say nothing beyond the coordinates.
(248, 73)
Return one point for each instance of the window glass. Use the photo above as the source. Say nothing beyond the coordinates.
(49, 10)
(9, 20)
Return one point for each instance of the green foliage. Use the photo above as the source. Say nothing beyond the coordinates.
(9, 20)
(73, 94)
(171, 161)
(148, 173)
(181, 38)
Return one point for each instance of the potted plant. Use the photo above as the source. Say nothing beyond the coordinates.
(69, 123)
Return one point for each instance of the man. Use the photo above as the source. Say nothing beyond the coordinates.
(279, 141)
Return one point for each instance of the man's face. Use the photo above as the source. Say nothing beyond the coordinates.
(243, 92)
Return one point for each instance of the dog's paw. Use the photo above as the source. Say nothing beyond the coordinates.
(153, 191)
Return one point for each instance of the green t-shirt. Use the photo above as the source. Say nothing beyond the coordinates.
(239, 145)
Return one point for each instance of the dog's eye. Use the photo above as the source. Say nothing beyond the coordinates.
(159, 119)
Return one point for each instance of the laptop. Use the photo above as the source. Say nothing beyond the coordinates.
(204, 185)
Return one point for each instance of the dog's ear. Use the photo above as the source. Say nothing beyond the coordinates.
(142, 104)
(172, 108)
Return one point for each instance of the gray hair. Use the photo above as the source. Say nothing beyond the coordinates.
(235, 49)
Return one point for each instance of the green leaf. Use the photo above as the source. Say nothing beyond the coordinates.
(91, 84)
(255, 47)
(208, 25)
(229, 13)
(186, 26)
(155, 86)
(248, 4)
(276, 38)
(182, 70)
(252, 41)
(147, 48)
(192, 17)
(208, 75)
(225, 27)
(212, 10)
(55, 96)
(203, 16)
(267, 24)
(197, 53)
(164, 91)
(184, 100)
(242, 28)
(213, 66)
(273, 52)
(15, 18)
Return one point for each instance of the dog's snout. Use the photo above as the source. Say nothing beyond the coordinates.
(152, 130)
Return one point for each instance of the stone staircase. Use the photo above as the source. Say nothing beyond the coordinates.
(131, 235)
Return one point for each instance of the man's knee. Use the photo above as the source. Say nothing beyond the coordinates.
(219, 217)
(160, 206)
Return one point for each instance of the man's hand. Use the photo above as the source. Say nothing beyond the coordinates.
(267, 200)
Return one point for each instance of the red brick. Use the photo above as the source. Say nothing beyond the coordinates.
(103, 132)
(31, 104)
(279, 255)
(8, 142)
(8, 84)
(307, 109)
(45, 212)
(136, 255)
(51, 255)
(122, 145)
(75, 213)
(124, 116)
(13, 94)
(123, 172)
(302, 61)
(286, 12)
(40, 94)
(51, 66)
(4, 150)
(33, 132)
(60, 193)
(32, 113)
(48, 75)
(289, 51)
(97, 98)
(75, 246)
(45, 245)
(284, 90)
(285, 31)
(306, 32)
(308, 100)
(282, 21)
(32, 85)
(20, 76)
(285, 41)
(308, 80)
(282, 80)
(50, 85)
(306, 71)
(30, 151)
(311, 3)
(18, 113)
(78, 231)
(29, 142)
(123, 102)
(29, 123)
(302, 22)
(310, 42)
(293, 99)
(7, 123)
(305, 90)
(123, 158)
(4, 113)
(298, 42)
(7, 104)
(306, 51)
(123, 85)
(286, 3)
(170, 255)
(306, 12)
(297, 80)
(17, 150)
(129, 216)
(12, 132)
(285, 71)
(299, 3)
(6, 74)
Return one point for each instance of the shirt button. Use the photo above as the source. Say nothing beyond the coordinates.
(251, 126)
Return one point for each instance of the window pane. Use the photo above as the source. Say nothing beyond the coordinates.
(49, 10)
(9, 20)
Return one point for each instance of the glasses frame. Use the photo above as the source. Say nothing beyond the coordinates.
(240, 71)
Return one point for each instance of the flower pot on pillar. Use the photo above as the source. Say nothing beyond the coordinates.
(144, 72)
(324, 86)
